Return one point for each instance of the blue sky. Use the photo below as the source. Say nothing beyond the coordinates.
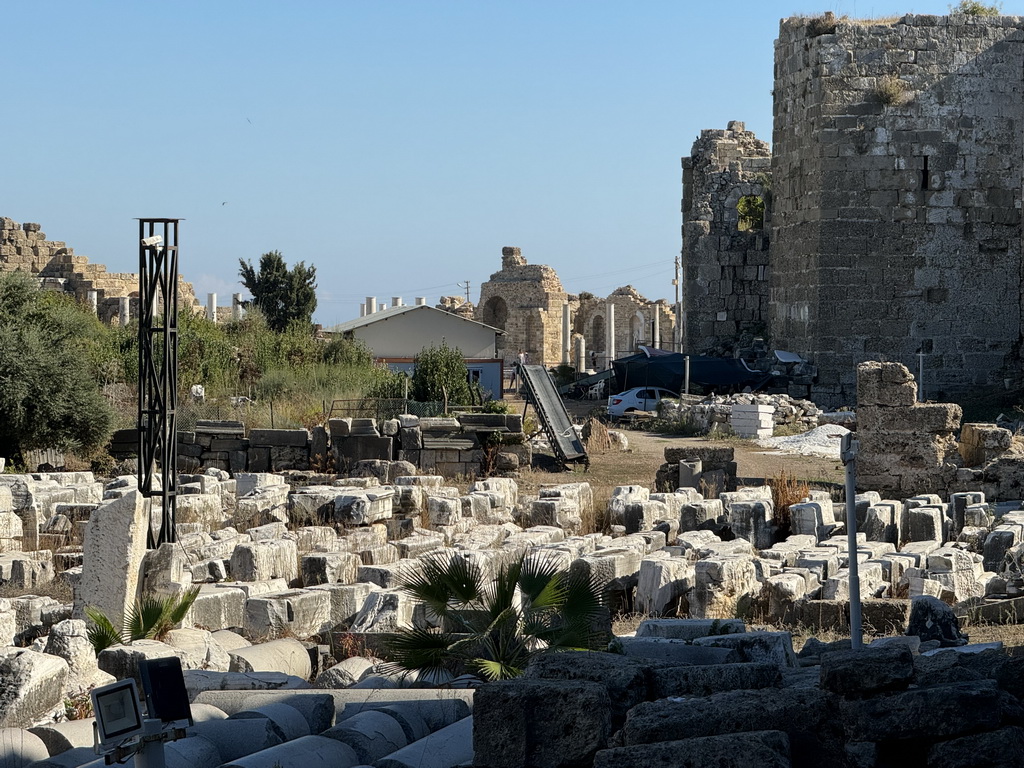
(395, 145)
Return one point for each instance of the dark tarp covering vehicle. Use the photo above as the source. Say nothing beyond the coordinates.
(667, 370)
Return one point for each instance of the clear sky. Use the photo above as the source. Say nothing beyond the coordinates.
(396, 145)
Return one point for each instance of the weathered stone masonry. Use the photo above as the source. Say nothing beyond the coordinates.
(895, 217)
(24, 248)
(528, 302)
(725, 281)
(896, 214)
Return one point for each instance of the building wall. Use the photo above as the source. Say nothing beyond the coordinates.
(725, 269)
(896, 205)
(405, 334)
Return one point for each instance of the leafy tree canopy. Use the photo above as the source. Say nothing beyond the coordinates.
(51, 352)
(283, 295)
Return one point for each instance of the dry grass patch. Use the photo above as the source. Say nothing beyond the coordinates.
(786, 491)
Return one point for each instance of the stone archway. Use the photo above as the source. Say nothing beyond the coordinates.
(496, 316)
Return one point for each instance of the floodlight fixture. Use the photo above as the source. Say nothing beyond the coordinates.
(118, 717)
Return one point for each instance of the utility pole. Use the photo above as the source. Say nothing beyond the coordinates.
(678, 332)
(465, 284)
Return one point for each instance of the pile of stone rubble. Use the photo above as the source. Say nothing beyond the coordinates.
(713, 412)
(286, 562)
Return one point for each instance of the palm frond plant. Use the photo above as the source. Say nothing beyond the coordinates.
(150, 618)
(492, 627)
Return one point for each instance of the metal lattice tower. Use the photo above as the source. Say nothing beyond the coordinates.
(158, 371)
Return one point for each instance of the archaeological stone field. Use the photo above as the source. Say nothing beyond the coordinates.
(441, 591)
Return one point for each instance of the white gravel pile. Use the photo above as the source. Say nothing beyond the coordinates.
(821, 441)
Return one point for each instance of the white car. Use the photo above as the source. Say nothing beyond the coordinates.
(637, 399)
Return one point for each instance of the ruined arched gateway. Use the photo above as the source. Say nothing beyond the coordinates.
(528, 302)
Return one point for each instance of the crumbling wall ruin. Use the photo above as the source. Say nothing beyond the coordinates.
(906, 447)
(525, 301)
(24, 248)
(909, 448)
(725, 255)
(528, 302)
(896, 203)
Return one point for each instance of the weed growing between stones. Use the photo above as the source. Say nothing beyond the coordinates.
(79, 706)
(345, 645)
(892, 91)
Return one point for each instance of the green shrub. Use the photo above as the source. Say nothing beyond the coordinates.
(751, 213)
(52, 352)
(441, 375)
(975, 8)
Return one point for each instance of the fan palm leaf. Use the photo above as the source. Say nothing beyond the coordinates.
(101, 633)
(143, 617)
(421, 649)
(444, 583)
(532, 605)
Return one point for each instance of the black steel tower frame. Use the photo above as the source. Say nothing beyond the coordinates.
(158, 370)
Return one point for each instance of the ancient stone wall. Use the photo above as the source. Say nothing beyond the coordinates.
(725, 256)
(896, 202)
(24, 248)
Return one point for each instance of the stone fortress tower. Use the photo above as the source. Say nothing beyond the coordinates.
(893, 204)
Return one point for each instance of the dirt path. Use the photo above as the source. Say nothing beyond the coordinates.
(639, 463)
(753, 462)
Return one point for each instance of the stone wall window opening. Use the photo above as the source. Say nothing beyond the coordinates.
(924, 174)
(751, 213)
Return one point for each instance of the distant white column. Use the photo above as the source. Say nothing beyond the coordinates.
(421, 301)
(396, 301)
(566, 334)
(211, 307)
(236, 306)
(609, 345)
(123, 310)
(656, 341)
(371, 304)
(93, 298)
(581, 353)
